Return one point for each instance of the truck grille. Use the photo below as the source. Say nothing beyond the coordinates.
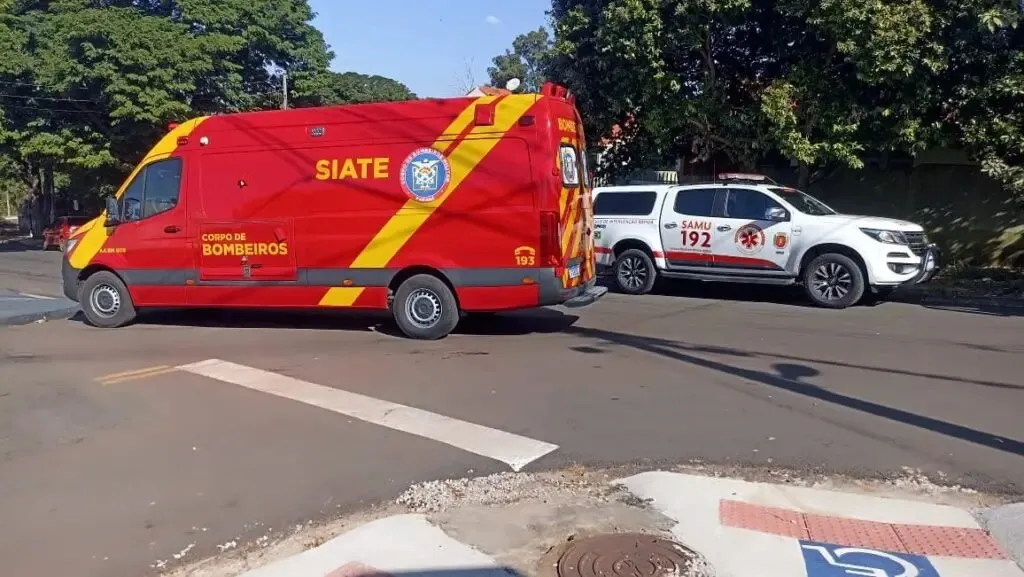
(917, 241)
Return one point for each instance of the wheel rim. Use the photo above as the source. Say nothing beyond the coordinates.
(423, 308)
(832, 281)
(105, 301)
(632, 273)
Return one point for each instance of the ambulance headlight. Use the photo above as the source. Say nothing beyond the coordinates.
(70, 246)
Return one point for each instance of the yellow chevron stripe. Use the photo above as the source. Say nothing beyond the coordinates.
(92, 240)
(464, 159)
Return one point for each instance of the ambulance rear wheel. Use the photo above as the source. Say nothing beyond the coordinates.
(105, 300)
(425, 308)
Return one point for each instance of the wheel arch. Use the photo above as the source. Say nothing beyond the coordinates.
(831, 247)
(411, 271)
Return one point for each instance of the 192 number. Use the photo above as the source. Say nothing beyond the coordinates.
(696, 239)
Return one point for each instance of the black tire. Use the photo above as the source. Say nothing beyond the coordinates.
(843, 281)
(419, 323)
(105, 301)
(634, 272)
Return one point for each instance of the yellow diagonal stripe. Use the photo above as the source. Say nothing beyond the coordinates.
(464, 159)
(92, 240)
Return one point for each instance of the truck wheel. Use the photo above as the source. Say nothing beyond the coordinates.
(425, 308)
(105, 301)
(634, 272)
(834, 281)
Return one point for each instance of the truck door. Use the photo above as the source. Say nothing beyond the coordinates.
(150, 245)
(752, 231)
(246, 251)
(686, 227)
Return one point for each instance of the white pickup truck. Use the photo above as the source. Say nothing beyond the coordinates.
(746, 228)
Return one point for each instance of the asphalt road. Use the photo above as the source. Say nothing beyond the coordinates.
(127, 471)
(24, 268)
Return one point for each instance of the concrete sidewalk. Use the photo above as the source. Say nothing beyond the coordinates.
(18, 308)
(646, 525)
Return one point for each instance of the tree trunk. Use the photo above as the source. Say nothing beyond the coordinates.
(804, 176)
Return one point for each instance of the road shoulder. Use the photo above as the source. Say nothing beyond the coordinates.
(17, 308)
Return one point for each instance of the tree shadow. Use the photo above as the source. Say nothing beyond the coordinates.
(789, 377)
(20, 245)
(514, 323)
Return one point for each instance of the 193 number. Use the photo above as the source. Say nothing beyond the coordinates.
(697, 239)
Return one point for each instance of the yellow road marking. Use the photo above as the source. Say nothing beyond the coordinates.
(121, 377)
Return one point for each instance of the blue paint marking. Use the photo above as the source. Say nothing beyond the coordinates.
(425, 174)
(828, 560)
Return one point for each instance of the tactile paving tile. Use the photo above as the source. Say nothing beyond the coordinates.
(966, 543)
(853, 533)
(781, 522)
(949, 542)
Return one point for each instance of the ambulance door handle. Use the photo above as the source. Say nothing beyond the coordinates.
(724, 228)
(671, 225)
(172, 229)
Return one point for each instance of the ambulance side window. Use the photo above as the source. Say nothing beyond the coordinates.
(131, 203)
(163, 185)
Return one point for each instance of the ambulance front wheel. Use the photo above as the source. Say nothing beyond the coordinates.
(425, 308)
(105, 300)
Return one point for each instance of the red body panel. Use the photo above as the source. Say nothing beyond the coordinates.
(313, 207)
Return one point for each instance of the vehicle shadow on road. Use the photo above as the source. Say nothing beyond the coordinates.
(790, 377)
(536, 321)
(783, 295)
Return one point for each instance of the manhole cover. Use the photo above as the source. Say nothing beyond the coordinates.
(626, 555)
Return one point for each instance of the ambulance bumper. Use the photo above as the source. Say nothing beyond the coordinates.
(69, 278)
(587, 293)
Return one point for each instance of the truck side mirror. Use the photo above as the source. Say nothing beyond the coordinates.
(776, 214)
(113, 212)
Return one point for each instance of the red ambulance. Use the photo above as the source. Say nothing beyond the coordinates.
(427, 208)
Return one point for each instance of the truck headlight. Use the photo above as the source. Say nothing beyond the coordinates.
(886, 236)
(70, 245)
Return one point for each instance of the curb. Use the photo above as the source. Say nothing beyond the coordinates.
(29, 318)
(952, 300)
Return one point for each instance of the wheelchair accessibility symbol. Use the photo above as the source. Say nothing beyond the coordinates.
(827, 560)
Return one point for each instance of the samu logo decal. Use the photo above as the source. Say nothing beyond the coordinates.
(425, 175)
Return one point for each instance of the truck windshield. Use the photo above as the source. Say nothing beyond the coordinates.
(803, 202)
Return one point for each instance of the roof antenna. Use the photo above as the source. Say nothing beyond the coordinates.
(512, 84)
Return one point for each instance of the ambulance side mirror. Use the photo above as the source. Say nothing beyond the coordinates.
(113, 212)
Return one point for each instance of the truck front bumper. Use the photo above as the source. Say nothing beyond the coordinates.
(931, 262)
(69, 278)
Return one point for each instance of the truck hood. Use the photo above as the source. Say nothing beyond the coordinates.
(878, 222)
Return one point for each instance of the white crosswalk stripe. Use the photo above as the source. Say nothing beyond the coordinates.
(514, 450)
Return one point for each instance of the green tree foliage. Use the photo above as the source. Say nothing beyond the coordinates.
(819, 81)
(353, 88)
(528, 61)
(87, 86)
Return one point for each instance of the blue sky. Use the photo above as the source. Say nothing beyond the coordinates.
(425, 44)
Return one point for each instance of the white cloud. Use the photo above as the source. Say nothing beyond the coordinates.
(493, 20)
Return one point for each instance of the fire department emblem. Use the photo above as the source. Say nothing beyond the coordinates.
(781, 240)
(425, 174)
(749, 239)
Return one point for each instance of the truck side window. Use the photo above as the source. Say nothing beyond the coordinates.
(695, 201)
(163, 185)
(131, 201)
(639, 203)
(747, 204)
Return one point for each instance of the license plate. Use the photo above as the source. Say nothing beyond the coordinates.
(574, 271)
